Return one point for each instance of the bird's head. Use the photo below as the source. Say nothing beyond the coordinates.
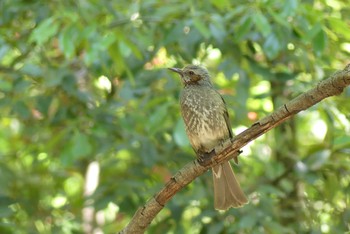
(193, 75)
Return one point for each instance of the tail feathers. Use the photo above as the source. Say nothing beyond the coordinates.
(227, 191)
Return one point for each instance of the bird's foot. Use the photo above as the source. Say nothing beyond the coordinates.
(223, 145)
(236, 157)
(204, 158)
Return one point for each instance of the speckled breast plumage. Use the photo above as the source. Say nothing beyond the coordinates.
(203, 111)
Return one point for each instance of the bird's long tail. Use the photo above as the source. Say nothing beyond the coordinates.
(227, 191)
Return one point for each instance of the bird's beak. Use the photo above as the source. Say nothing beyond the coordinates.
(177, 70)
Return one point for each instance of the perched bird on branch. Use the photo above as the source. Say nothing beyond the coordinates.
(207, 126)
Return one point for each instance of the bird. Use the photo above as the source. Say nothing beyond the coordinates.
(207, 125)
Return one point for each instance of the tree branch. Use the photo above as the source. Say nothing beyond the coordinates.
(332, 86)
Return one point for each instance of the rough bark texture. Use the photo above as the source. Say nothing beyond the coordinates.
(332, 86)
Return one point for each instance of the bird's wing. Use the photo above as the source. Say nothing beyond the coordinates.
(228, 124)
(227, 119)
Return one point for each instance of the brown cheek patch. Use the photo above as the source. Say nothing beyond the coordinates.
(196, 78)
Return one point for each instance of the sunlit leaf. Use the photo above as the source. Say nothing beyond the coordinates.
(55, 121)
(44, 31)
(68, 40)
(339, 26)
(221, 4)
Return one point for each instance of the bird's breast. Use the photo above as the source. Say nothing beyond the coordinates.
(202, 111)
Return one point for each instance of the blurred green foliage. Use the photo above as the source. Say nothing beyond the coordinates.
(84, 95)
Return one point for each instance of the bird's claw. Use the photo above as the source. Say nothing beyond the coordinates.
(236, 158)
(204, 158)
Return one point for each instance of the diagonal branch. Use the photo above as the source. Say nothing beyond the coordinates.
(332, 86)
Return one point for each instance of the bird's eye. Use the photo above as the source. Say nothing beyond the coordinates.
(191, 73)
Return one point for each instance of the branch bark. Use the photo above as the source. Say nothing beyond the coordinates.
(332, 86)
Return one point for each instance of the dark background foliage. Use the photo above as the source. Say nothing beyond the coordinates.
(90, 125)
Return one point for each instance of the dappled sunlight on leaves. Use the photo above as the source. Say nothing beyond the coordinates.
(86, 83)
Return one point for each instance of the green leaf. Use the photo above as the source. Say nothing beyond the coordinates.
(5, 203)
(54, 77)
(332, 185)
(179, 134)
(280, 19)
(290, 8)
(243, 28)
(221, 4)
(3, 49)
(22, 86)
(108, 40)
(21, 109)
(31, 70)
(274, 170)
(287, 185)
(91, 54)
(217, 227)
(262, 24)
(44, 31)
(73, 185)
(283, 76)
(248, 221)
(269, 189)
(158, 117)
(341, 142)
(5, 85)
(114, 52)
(316, 160)
(273, 227)
(124, 49)
(67, 40)
(202, 28)
(339, 26)
(173, 33)
(320, 42)
(272, 46)
(311, 34)
(217, 28)
(81, 146)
